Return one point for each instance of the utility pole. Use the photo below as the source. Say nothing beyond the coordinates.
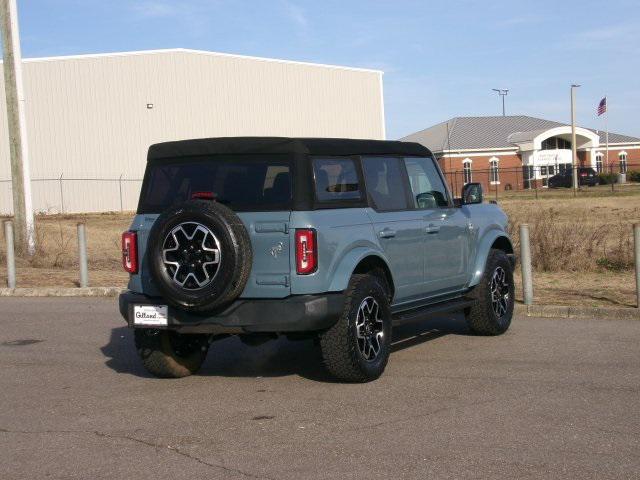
(574, 155)
(16, 121)
(502, 92)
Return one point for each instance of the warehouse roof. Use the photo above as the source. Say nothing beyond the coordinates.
(461, 133)
(280, 145)
(191, 52)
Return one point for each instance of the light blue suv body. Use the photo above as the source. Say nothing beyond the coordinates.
(315, 214)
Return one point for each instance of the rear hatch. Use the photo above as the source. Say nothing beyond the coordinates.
(257, 188)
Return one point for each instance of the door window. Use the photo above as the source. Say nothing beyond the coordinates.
(336, 179)
(427, 188)
(385, 182)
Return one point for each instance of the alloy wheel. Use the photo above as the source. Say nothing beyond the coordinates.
(500, 292)
(191, 255)
(369, 329)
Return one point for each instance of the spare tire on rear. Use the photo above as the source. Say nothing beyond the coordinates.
(199, 255)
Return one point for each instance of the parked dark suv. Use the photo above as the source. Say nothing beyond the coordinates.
(332, 239)
(586, 177)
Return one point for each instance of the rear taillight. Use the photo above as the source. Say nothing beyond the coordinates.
(306, 251)
(130, 252)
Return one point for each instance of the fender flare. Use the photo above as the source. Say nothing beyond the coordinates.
(482, 253)
(342, 273)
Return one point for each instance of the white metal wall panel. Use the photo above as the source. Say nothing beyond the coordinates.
(87, 116)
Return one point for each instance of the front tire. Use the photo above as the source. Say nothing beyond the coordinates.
(168, 354)
(494, 297)
(357, 347)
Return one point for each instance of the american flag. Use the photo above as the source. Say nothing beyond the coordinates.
(602, 106)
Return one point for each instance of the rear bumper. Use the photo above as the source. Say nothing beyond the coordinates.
(298, 313)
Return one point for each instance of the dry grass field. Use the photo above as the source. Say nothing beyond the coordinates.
(56, 260)
(582, 248)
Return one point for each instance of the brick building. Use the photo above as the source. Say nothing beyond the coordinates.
(516, 152)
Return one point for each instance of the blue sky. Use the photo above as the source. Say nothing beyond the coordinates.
(441, 58)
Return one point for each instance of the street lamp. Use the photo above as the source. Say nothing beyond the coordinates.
(503, 93)
(574, 159)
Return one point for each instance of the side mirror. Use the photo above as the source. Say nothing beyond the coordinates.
(471, 194)
(426, 200)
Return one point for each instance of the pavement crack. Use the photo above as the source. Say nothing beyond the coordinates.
(183, 454)
(140, 441)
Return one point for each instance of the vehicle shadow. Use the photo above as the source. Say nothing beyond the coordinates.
(282, 357)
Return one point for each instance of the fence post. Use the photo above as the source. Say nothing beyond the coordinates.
(61, 194)
(120, 185)
(525, 264)
(11, 257)
(636, 256)
(82, 256)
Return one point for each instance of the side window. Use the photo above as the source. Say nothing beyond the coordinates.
(385, 185)
(336, 179)
(428, 190)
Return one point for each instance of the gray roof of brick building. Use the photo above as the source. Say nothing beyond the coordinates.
(462, 133)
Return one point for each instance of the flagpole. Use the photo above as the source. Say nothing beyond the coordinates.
(606, 128)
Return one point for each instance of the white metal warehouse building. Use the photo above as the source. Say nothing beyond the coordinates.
(91, 118)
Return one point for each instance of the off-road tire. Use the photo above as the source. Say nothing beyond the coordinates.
(339, 344)
(481, 317)
(235, 263)
(159, 355)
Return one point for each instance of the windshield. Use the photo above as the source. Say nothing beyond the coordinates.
(240, 184)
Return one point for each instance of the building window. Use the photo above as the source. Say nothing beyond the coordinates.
(555, 143)
(494, 173)
(467, 173)
(622, 157)
(599, 158)
(528, 176)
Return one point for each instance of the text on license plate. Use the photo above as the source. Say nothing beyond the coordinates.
(155, 315)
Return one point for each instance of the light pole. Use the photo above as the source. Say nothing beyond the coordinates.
(502, 92)
(574, 159)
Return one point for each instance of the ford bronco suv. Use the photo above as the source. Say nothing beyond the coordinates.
(335, 239)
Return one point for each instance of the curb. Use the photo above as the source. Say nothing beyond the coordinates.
(560, 311)
(61, 292)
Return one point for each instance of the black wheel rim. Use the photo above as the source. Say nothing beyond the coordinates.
(500, 292)
(369, 329)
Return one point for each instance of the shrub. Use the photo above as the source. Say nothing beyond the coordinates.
(633, 176)
(608, 178)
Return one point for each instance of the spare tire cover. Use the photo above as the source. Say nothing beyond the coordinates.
(199, 255)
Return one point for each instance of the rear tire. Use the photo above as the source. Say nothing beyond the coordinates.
(494, 297)
(357, 347)
(167, 354)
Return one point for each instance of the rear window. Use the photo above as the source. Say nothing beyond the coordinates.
(256, 184)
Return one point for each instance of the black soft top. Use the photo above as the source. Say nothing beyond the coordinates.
(282, 145)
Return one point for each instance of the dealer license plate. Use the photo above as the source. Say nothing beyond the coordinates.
(153, 315)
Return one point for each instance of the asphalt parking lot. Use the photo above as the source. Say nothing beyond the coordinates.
(550, 399)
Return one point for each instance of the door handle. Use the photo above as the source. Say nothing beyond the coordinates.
(432, 228)
(387, 233)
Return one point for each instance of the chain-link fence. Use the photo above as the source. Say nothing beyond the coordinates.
(547, 180)
(73, 195)
(63, 194)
